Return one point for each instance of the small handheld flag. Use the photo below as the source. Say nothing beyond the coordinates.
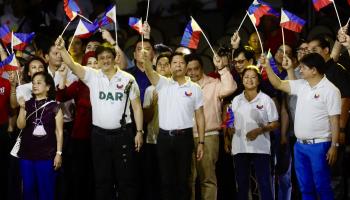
(229, 119)
(71, 8)
(9, 64)
(85, 29)
(319, 4)
(273, 63)
(111, 14)
(136, 24)
(191, 35)
(21, 40)
(291, 22)
(5, 35)
(258, 9)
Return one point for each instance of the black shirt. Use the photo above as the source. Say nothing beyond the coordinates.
(339, 76)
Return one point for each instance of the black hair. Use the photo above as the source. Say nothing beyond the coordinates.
(51, 94)
(256, 70)
(314, 60)
(247, 51)
(163, 55)
(323, 42)
(161, 48)
(194, 57)
(105, 47)
(223, 51)
(176, 54)
(26, 77)
(150, 41)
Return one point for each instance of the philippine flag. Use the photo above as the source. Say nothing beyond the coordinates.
(291, 22)
(136, 24)
(85, 29)
(191, 36)
(256, 10)
(273, 63)
(5, 35)
(271, 11)
(319, 4)
(21, 40)
(9, 64)
(229, 119)
(71, 8)
(111, 14)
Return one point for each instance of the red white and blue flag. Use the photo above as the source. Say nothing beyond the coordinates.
(85, 29)
(229, 119)
(21, 40)
(319, 4)
(108, 17)
(191, 36)
(136, 24)
(291, 22)
(9, 64)
(5, 35)
(258, 9)
(273, 64)
(71, 8)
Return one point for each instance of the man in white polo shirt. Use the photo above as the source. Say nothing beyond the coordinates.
(180, 101)
(113, 143)
(316, 124)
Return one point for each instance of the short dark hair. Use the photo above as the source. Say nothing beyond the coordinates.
(247, 51)
(51, 94)
(150, 41)
(26, 77)
(163, 55)
(323, 42)
(314, 60)
(193, 57)
(256, 70)
(105, 47)
(176, 54)
(162, 48)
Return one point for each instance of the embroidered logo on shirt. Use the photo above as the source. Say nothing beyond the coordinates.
(120, 86)
(188, 93)
(317, 96)
(259, 107)
(2, 90)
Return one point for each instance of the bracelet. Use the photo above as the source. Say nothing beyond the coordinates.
(140, 131)
(59, 153)
(201, 142)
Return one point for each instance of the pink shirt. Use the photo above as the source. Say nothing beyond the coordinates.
(213, 92)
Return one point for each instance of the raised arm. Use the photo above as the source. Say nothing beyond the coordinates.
(76, 68)
(344, 39)
(273, 78)
(152, 75)
(227, 84)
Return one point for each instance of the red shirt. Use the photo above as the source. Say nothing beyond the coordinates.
(5, 88)
(83, 113)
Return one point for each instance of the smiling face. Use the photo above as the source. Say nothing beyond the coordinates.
(105, 61)
(39, 86)
(240, 63)
(91, 46)
(250, 80)
(178, 66)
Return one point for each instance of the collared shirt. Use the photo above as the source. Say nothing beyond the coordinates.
(177, 103)
(141, 79)
(212, 91)
(250, 115)
(314, 106)
(108, 98)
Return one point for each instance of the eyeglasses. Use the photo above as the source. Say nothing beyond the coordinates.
(302, 50)
(238, 61)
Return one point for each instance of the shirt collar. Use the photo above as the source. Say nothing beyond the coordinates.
(187, 83)
(257, 98)
(319, 84)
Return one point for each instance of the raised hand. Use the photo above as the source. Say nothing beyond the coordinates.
(287, 63)
(218, 62)
(63, 70)
(235, 40)
(106, 35)
(21, 102)
(146, 30)
(59, 43)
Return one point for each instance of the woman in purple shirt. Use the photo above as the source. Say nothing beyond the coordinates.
(41, 121)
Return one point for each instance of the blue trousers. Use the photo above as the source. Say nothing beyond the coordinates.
(39, 179)
(313, 171)
(261, 162)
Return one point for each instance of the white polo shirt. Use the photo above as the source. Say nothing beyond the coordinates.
(314, 106)
(108, 98)
(250, 115)
(177, 103)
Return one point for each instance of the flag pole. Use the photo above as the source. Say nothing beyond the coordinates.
(19, 80)
(257, 33)
(65, 28)
(336, 12)
(141, 34)
(115, 26)
(147, 10)
(70, 44)
(239, 27)
(85, 18)
(284, 46)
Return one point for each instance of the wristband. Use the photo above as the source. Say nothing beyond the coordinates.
(59, 153)
(140, 131)
(201, 142)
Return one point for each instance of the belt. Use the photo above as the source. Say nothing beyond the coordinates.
(176, 132)
(110, 131)
(314, 141)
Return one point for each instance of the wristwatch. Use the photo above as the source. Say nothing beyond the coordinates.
(335, 144)
(140, 131)
(59, 153)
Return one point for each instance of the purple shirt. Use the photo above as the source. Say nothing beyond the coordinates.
(44, 147)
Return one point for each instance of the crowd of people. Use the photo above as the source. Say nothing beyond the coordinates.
(91, 122)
